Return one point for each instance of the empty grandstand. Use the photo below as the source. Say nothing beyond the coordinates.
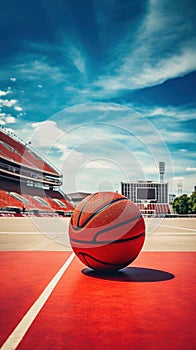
(28, 183)
(151, 197)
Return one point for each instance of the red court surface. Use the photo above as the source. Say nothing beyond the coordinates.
(24, 275)
(148, 305)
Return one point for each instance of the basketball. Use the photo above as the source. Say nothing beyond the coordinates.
(106, 231)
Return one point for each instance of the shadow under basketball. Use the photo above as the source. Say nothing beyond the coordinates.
(130, 274)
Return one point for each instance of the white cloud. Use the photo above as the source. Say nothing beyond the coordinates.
(97, 165)
(9, 119)
(38, 66)
(179, 113)
(190, 169)
(79, 62)
(66, 155)
(45, 134)
(137, 74)
(111, 107)
(162, 47)
(13, 79)
(177, 136)
(18, 108)
(8, 103)
(38, 125)
(97, 107)
(178, 178)
(3, 93)
(151, 170)
(75, 54)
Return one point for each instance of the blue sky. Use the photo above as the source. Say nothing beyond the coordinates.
(104, 89)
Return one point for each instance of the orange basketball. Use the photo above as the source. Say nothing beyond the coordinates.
(106, 231)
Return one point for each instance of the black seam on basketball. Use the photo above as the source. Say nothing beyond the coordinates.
(129, 238)
(117, 225)
(97, 260)
(108, 242)
(84, 205)
(76, 228)
(86, 262)
(97, 211)
(103, 262)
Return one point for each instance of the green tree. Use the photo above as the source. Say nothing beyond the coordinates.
(181, 204)
(192, 203)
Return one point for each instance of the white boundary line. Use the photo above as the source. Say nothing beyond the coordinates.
(158, 234)
(18, 333)
(31, 233)
(180, 228)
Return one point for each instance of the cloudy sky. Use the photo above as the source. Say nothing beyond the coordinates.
(104, 89)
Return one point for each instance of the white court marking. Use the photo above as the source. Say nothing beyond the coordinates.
(172, 233)
(180, 228)
(193, 232)
(16, 336)
(32, 233)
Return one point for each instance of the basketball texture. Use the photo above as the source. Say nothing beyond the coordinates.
(106, 231)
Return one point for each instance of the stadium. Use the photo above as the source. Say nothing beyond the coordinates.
(29, 184)
(151, 197)
(48, 301)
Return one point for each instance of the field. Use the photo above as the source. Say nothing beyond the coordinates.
(50, 300)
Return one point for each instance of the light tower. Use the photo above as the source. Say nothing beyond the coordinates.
(161, 171)
(179, 188)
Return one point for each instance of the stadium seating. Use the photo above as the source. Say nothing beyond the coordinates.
(36, 204)
(8, 200)
(13, 156)
(154, 208)
(140, 206)
(159, 208)
(32, 197)
(35, 185)
(25, 154)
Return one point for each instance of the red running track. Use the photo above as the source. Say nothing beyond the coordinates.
(149, 305)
